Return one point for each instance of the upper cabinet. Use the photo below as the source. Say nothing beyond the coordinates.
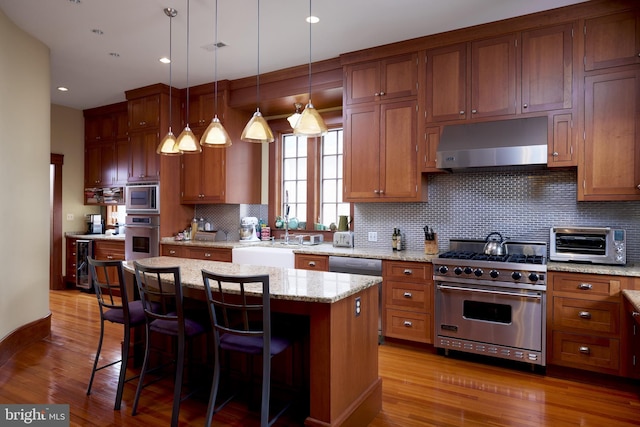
(446, 83)
(144, 113)
(99, 128)
(612, 41)
(382, 80)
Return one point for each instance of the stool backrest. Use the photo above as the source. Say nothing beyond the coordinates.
(109, 285)
(160, 291)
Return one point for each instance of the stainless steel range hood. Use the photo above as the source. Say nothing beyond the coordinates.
(516, 143)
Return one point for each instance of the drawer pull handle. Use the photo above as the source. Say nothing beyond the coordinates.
(408, 324)
(172, 252)
(584, 349)
(207, 254)
(312, 263)
(408, 295)
(585, 315)
(585, 286)
(635, 314)
(408, 272)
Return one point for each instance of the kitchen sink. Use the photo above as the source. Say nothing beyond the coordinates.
(264, 255)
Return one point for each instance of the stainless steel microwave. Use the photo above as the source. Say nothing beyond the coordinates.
(142, 198)
(596, 245)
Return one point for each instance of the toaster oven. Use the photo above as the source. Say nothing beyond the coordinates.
(596, 245)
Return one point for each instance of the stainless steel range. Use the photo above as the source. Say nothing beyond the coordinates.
(492, 305)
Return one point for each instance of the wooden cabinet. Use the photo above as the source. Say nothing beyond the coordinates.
(407, 295)
(446, 86)
(584, 317)
(201, 111)
(203, 176)
(172, 250)
(145, 162)
(100, 127)
(98, 164)
(612, 41)
(103, 126)
(144, 113)
(562, 139)
(312, 262)
(207, 253)
(108, 250)
(632, 325)
(71, 268)
(610, 169)
(387, 79)
(428, 149)
(380, 154)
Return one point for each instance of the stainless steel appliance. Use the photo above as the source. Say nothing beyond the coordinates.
(95, 224)
(142, 236)
(596, 245)
(492, 305)
(84, 250)
(142, 198)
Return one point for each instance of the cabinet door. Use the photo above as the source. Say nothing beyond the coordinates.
(429, 148)
(122, 162)
(611, 169)
(446, 83)
(191, 178)
(312, 262)
(561, 141)
(398, 150)
(547, 58)
(362, 82)
(122, 124)
(612, 41)
(362, 153)
(144, 113)
(99, 128)
(99, 162)
(399, 77)
(493, 77)
(145, 163)
(213, 174)
(172, 250)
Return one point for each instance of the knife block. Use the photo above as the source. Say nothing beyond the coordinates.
(431, 246)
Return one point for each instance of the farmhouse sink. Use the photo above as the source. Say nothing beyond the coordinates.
(261, 255)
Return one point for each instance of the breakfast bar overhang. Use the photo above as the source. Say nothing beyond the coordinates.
(344, 386)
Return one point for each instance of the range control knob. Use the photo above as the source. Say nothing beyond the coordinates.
(516, 275)
(478, 272)
(533, 277)
(443, 269)
(457, 271)
(468, 270)
(494, 273)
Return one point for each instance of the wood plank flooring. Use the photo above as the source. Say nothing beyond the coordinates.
(420, 387)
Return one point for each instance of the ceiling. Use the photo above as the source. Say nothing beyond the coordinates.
(138, 31)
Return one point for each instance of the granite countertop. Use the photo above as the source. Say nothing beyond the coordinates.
(285, 283)
(633, 296)
(630, 270)
(80, 235)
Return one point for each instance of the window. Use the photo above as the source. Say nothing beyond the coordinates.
(312, 178)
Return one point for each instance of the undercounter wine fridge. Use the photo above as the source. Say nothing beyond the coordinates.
(84, 249)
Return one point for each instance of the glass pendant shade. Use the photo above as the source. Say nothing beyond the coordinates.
(215, 135)
(310, 123)
(257, 130)
(293, 119)
(168, 146)
(187, 142)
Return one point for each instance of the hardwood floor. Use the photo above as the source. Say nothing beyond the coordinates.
(420, 387)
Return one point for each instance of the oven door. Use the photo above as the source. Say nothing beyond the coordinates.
(142, 237)
(501, 316)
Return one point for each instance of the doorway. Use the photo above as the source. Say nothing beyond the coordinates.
(55, 219)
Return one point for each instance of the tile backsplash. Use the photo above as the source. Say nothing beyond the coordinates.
(519, 205)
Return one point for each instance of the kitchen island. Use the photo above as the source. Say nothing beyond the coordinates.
(344, 386)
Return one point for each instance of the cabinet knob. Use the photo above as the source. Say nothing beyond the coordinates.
(408, 295)
(376, 191)
(382, 94)
(461, 112)
(585, 286)
(525, 106)
(207, 254)
(408, 272)
(172, 252)
(474, 111)
(584, 349)
(638, 186)
(312, 263)
(376, 94)
(555, 154)
(585, 315)
(635, 314)
(408, 324)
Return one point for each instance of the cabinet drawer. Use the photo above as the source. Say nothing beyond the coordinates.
(587, 315)
(312, 262)
(586, 352)
(407, 296)
(586, 285)
(172, 250)
(209, 254)
(109, 250)
(413, 271)
(408, 325)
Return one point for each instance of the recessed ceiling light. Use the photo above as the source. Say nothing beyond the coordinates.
(312, 19)
(114, 54)
(97, 31)
(164, 60)
(62, 89)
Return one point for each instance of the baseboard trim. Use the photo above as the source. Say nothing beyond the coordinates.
(23, 336)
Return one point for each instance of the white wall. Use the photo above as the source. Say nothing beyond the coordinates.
(24, 177)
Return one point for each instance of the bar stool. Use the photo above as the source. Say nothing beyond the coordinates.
(160, 290)
(108, 280)
(242, 327)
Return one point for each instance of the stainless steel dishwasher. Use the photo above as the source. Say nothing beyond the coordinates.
(364, 266)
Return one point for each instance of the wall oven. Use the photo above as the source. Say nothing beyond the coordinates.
(142, 198)
(492, 305)
(142, 236)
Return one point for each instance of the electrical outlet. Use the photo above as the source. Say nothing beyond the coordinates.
(358, 306)
(373, 236)
(69, 217)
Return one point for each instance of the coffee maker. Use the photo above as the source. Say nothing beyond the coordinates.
(95, 224)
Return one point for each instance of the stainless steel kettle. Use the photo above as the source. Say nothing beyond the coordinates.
(494, 246)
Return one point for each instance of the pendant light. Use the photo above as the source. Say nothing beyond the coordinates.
(310, 122)
(215, 135)
(187, 142)
(168, 146)
(257, 130)
(293, 119)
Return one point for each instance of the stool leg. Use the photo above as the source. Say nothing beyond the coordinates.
(266, 388)
(95, 362)
(214, 387)
(145, 363)
(123, 367)
(177, 389)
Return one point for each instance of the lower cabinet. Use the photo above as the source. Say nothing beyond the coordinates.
(108, 250)
(312, 262)
(207, 253)
(407, 301)
(71, 269)
(584, 322)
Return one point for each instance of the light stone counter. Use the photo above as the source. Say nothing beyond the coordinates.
(630, 270)
(78, 235)
(633, 297)
(285, 283)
